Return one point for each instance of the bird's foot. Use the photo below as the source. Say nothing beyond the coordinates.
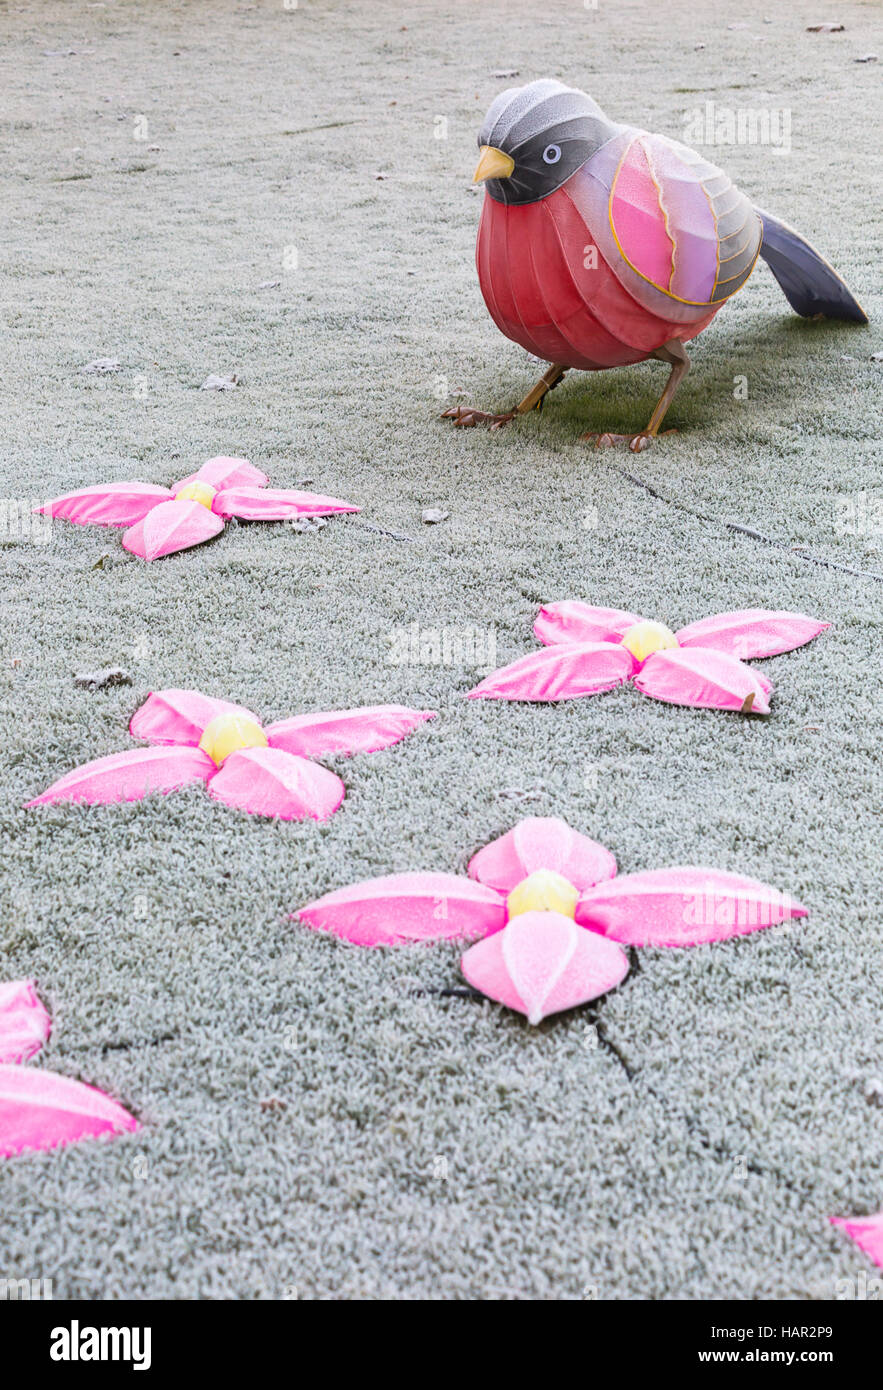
(465, 416)
(636, 442)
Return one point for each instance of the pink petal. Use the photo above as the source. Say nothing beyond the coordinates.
(171, 527)
(683, 906)
(275, 504)
(702, 677)
(130, 776)
(222, 472)
(867, 1232)
(752, 632)
(39, 1110)
(559, 673)
(363, 730)
(579, 622)
(180, 716)
(24, 1023)
(270, 782)
(541, 842)
(407, 907)
(542, 963)
(107, 504)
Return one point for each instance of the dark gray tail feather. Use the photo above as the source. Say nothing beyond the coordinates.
(811, 286)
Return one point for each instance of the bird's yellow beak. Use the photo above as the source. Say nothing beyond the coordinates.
(492, 164)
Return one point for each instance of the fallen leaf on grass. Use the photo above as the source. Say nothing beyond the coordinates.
(98, 680)
(100, 367)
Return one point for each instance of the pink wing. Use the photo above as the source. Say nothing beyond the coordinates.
(680, 223)
(752, 632)
(867, 1232)
(222, 472)
(270, 782)
(362, 730)
(705, 678)
(24, 1023)
(542, 963)
(579, 622)
(171, 527)
(562, 672)
(180, 716)
(541, 842)
(39, 1110)
(107, 504)
(683, 906)
(130, 776)
(275, 504)
(407, 907)
(640, 223)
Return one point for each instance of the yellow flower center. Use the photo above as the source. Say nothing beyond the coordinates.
(227, 733)
(543, 891)
(643, 639)
(197, 492)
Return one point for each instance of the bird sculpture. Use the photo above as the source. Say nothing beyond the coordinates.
(600, 245)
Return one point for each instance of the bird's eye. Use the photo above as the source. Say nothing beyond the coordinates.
(552, 154)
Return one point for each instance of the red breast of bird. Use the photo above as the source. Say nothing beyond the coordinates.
(600, 242)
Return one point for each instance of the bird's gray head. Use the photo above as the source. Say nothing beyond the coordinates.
(534, 137)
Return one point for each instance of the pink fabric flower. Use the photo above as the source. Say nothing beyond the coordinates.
(162, 520)
(590, 650)
(866, 1231)
(267, 772)
(24, 1023)
(39, 1110)
(549, 913)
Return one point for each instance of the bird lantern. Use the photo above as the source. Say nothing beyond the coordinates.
(601, 245)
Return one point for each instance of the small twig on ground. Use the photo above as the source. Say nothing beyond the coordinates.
(382, 531)
(746, 530)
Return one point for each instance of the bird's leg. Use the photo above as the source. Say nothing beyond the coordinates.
(672, 352)
(466, 415)
(537, 394)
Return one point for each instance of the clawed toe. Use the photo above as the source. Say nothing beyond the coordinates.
(636, 442)
(639, 442)
(466, 416)
(606, 440)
